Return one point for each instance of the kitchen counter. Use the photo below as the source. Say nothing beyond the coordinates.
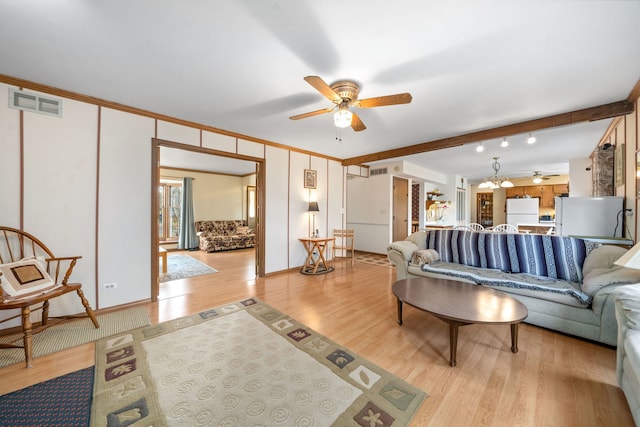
(543, 227)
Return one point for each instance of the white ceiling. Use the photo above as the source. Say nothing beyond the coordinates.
(239, 66)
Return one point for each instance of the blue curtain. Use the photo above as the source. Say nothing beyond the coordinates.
(188, 238)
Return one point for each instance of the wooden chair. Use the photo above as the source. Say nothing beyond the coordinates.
(17, 245)
(344, 241)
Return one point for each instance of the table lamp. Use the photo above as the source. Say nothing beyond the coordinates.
(631, 259)
(313, 207)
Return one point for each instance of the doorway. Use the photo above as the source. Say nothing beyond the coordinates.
(400, 208)
(229, 158)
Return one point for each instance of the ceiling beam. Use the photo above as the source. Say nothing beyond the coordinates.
(587, 114)
(635, 93)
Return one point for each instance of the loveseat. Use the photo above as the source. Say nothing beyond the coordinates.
(565, 282)
(222, 235)
(627, 305)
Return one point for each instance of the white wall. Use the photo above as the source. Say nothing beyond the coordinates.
(580, 178)
(369, 212)
(215, 196)
(60, 175)
(124, 214)
(9, 163)
(87, 191)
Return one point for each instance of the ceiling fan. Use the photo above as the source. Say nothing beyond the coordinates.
(538, 177)
(345, 94)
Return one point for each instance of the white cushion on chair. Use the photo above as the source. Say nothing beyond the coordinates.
(24, 278)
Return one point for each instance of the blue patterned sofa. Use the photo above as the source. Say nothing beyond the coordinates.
(222, 235)
(566, 283)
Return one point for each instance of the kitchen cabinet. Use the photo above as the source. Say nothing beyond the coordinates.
(547, 200)
(513, 192)
(545, 193)
(533, 191)
(560, 189)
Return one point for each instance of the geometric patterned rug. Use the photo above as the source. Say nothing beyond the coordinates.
(242, 364)
(62, 401)
(183, 266)
(373, 259)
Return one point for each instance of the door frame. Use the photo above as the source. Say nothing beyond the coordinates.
(400, 200)
(155, 181)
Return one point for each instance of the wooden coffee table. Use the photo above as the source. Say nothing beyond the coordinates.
(460, 304)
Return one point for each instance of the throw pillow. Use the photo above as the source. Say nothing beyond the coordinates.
(242, 230)
(25, 277)
(419, 238)
(602, 257)
(600, 277)
(424, 256)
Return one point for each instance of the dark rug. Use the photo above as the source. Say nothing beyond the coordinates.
(63, 401)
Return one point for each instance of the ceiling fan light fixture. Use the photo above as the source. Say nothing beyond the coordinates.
(531, 139)
(342, 118)
(537, 177)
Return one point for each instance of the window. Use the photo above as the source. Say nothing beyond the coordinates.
(169, 201)
(461, 204)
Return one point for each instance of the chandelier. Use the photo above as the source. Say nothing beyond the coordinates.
(496, 181)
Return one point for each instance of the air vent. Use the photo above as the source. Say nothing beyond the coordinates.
(379, 171)
(26, 101)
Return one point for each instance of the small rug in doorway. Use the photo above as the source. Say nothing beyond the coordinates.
(242, 364)
(182, 266)
(74, 333)
(62, 401)
(373, 259)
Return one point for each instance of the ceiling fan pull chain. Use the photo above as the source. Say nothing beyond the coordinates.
(339, 134)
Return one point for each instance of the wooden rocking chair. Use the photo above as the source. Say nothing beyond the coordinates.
(26, 267)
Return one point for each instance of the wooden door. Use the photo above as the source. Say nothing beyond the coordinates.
(400, 208)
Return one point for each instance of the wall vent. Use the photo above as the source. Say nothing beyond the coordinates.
(21, 100)
(379, 171)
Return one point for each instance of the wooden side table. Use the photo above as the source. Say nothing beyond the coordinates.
(316, 262)
(162, 252)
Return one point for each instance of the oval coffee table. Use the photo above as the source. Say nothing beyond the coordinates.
(460, 304)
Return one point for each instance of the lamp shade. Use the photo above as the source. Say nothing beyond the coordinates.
(342, 118)
(631, 259)
(313, 207)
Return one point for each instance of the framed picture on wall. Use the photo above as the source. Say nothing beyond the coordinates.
(619, 165)
(310, 177)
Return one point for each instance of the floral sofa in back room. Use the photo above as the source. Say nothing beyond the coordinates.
(566, 283)
(222, 235)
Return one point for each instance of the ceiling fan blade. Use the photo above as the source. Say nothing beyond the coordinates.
(323, 88)
(311, 114)
(380, 101)
(356, 123)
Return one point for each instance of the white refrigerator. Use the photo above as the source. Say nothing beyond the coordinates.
(522, 211)
(589, 216)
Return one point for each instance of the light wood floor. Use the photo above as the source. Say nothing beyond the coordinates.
(554, 380)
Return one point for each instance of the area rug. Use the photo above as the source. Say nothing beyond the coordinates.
(62, 401)
(373, 259)
(74, 333)
(183, 266)
(242, 364)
